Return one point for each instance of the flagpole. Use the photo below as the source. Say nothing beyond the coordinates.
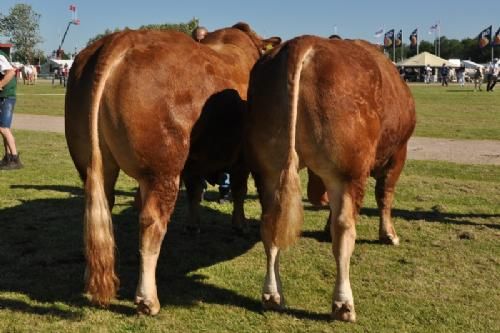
(394, 47)
(402, 44)
(418, 40)
(439, 39)
(435, 43)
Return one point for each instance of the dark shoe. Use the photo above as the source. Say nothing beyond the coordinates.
(5, 160)
(13, 163)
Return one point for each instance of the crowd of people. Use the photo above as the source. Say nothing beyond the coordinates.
(488, 74)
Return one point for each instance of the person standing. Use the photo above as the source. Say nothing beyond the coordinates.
(8, 84)
(444, 71)
(478, 78)
(461, 76)
(428, 74)
(493, 70)
(65, 72)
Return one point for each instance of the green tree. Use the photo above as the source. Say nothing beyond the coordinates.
(187, 28)
(22, 27)
(105, 33)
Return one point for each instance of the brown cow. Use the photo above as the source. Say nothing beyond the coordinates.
(141, 102)
(340, 108)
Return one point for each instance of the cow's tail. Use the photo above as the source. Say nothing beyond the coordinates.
(289, 209)
(101, 281)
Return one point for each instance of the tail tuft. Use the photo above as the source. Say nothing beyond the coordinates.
(287, 209)
(101, 281)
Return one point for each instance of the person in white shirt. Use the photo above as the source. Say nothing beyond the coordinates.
(493, 71)
(428, 74)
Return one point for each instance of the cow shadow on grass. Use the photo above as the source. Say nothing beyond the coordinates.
(431, 216)
(41, 256)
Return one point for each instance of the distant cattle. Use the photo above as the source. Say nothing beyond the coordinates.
(155, 104)
(29, 74)
(339, 108)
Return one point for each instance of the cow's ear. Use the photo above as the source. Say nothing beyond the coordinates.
(270, 43)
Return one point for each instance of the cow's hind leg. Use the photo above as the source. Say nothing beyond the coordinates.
(194, 191)
(345, 199)
(239, 179)
(384, 192)
(158, 199)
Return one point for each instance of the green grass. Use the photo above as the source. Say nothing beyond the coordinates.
(444, 277)
(453, 112)
(40, 99)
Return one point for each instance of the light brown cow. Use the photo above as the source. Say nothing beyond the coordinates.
(143, 102)
(340, 108)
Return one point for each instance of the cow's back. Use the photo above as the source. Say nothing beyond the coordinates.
(158, 84)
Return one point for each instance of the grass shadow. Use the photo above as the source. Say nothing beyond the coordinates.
(432, 216)
(42, 256)
(435, 216)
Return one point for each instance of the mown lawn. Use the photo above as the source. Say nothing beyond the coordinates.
(456, 112)
(452, 112)
(444, 277)
(40, 99)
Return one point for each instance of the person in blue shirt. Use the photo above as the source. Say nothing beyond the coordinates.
(444, 71)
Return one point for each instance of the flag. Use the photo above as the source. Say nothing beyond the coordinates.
(414, 39)
(379, 33)
(72, 8)
(389, 38)
(399, 38)
(484, 37)
(433, 28)
(496, 40)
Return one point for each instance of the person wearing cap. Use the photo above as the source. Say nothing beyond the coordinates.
(8, 84)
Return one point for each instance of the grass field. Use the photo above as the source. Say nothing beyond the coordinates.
(456, 112)
(451, 112)
(444, 277)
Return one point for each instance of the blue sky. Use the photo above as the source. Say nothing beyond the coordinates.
(353, 19)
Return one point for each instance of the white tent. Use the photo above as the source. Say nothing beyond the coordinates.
(423, 59)
(52, 64)
(471, 64)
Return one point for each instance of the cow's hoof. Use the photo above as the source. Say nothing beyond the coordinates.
(148, 308)
(389, 240)
(273, 302)
(344, 312)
